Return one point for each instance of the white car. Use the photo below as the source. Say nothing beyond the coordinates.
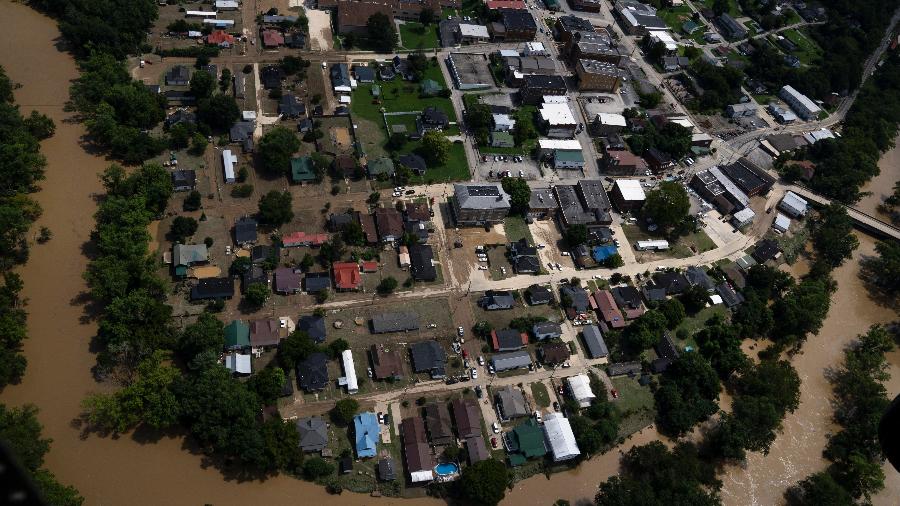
(558, 267)
(495, 427)
(399, 188)
(397, 194)
(480, 359)
(491, 369)
(565, 253)
(474, 373)
(460, 331)
(537, 417)
(503, 270)
(482, 267)
(550, 265)
(521, 173)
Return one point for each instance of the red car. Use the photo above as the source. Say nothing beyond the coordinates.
(615, 393)
(493, 442)
(465, 354)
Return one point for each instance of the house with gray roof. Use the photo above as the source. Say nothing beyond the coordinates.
(185, 255)
(593, 341)
(546, 330)
(313, 434)
(383, 323)
(511, 403)
(538, 294)
(697, 276)
(477, 204)
(511, 360)
(428, 356)
(494, 300)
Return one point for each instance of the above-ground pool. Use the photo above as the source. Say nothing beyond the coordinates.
(446, 468)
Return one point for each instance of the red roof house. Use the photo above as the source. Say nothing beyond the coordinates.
(505, 4)
(610, 313)
(220, 38)
(272, 38)
(346, 276)
(303, 239)
(370, 266)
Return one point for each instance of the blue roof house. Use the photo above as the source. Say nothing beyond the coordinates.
(367, 430)
(601, 253)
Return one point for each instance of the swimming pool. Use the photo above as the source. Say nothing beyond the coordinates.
(446, 468)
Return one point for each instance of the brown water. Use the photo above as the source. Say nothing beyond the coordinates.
(797, 452)
(881, 185)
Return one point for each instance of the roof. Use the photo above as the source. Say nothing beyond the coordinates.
(437, 421)
(794, 202)
(598, 67)
(730, 297)
(547, 328)
(527, 439)
(630, 189)
(508, 339)
(427, 356)
(213, 288)
(538, 81)
(367, 432)
(238, 363)
(316, 281)
(580, 387)
(578, 296)
(568, 156)
(481, 196)
(187, 254)
(314, 326)
(782, 222)
(272, 38)
(593, 340)
(395, 322)
(538, 294)
(302, 238)
(601, 253)
(605, 118)
(413, 161)
(621, 368)
(559, 144)
(386, 469)
(479, 31)
(389, 222)
(346, 275)
(386, 363)
(697, 276)
(313, 433)
(245, 230)
(418, 211)
(511, 360)
(477, 449)
(666, 348)
(610, 313)
(673, 281)
(517, 19)
(512, 401)
(765, 250)
(264, 332)
(555, 352)
(287, 280)
(557, 114)
(422, 262)
(505, 4)
(560, 438)
(312, 373)
(181, 178)
(497, 299)
(801, 99)
(383, 165)
(219, 37)
(237, 335)
(364, 73)
(415, 447)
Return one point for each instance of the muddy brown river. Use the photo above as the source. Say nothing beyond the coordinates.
(127, 471)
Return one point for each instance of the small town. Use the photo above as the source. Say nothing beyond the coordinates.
(421, 237)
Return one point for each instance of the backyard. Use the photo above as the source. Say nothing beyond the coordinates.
(634, 405)
(808, 51)
(418, 36)
(516, 228)
(688, 245)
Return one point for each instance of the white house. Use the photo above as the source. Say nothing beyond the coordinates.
(503, 123)
(800, 103)
(782, 223)
(580, 388)
(228, 163)
(559, 120)
(559, 437)
(793, 205)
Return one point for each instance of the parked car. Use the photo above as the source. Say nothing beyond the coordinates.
(369, 372)
(410, 192)
(537, 417)
(460, 331)
(479, 393)
(495, 427)
(555, 405)
(480, 359)
(494, 443)
(474, 373)
(380, 417)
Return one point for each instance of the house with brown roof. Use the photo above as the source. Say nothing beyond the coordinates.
(437, 421)
(346, 165)
(386, 363)
(467, 417)
(606, 307)
(555, 353)
(264, 333)
(287, 280)
(508, 340)
(346, 275)
(389, 222)
(419, 459)
(418, 211)
(367, 222)
(272, 38)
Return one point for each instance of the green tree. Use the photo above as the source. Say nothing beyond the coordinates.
(435, 147)
(225, 80)
(484, 483)
(819, 489)
(519, 194)
(275, 208)
(282, 445)
(613, 261)
(575, 235)
(721, 345)
(673, 310)
(427, 16)
(687, 394)
(257, 295)
(193, 201)
(317, 467)
(381, 32)
(295, 348)
(202, 84)
(884, 269)
(219, 112)
(343, 411)
(387, 285)
(268, 384)
(206, 334)
(667, 205)
(198, 144)
(39, 125)
(396, 142)
(182, 228)
(353, 233)
(832, 236)
(275, 149)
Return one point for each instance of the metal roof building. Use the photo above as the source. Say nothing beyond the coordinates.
(593, 340)
(580, 387)
(394, 322)
(349, 379)
(560, 438)
(512, 360)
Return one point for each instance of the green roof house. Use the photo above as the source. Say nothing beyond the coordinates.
(237, 335)
(302, 170)
(430, 88)
(380, 166)
(526, 441)
(689, 27)
(502, 140)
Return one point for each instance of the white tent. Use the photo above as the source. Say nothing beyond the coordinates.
(559, 437)
(420, 476)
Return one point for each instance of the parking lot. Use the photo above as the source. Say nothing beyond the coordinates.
(490, 167)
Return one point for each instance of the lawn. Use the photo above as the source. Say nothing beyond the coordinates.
(675, 16)
(524, 114)
(684, 248)
(733, 9)
(400, 96)
(808, 51)
(763, 99)
(540, 394)
(500, 319)
(694, 323)
(516, 229)
(418, 36)
(455, 169)
(635, 405)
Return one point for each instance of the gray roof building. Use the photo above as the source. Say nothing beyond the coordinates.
(476, 204)
(538, 294)
(313, 434)
(546, 330)
(511, 402)
(511, 360)
(497, 299)
(593, 341)
(428, 356)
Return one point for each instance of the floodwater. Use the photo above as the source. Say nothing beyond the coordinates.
(797, 451)
(130, 470)
(882, 185)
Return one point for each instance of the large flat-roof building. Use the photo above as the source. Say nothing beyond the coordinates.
(479, 204)
(636, 18)
(628, 195)
(594, 75)
(558, 120)
(535, 87)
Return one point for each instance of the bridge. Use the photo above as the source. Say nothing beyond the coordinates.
(862, 220)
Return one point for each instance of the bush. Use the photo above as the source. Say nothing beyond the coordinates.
(242, 191)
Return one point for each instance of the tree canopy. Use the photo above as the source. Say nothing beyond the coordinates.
(275, 149)
(381, 32)
(275, 208)
(667, 205)
(484, 483)
(435, 147)
(519, 193)
(687, 394)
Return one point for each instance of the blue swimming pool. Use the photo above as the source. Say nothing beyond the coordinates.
(446, 468)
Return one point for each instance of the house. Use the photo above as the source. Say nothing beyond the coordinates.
(403, 257)
(237, 335)
(186, 255)
(658, 160)
(312, 373)
(636, 18)
(337, 222)
(385, 363)
(609, 312)
(349, 378)
(471, 34)
(535, 87)
(313, 433)
(503, 122)
(554, 353)
(413, 162)
(369, 266)
(262, 253)
(387, 469)
(742, 218)
(271, 77)
(290, 107)
(511, 360)
(622, 163)
(179, 75)
(422, 266)
(296, 239)
(381, 167)
(575, 299)
(245, 231)
(515, 25)
(295, 40)
(593, 342)
(527, 265)
(793, 205)
(538, 295)
(591, 45)
(542, 204)
(477, 449)
(734, 275)
(367, 222)
(437, 423)
(364, 74)
(731, 28)
(524, 442)
(628, 298)
(594, 75)
(184, 180)
(585, 203)
(340, 76)
(240, 133)
(467, 417)
(497, 299)
(765, 250)
(389, 223)
(623, 368)
(428, 356)
(213, 288)
(255, 274)
(511, 403)
(272, 38)
(419, 459)
(800, 103)
(568, 159)
(627, 195)
(557, 120)
(287, 281)
(238, 363)
(264, 333)
(672, 281)
(315, 282)
(366, 432)
(782, 223)
(220, 38)
(417, 212)
(314, 326)
(508, 340)
(346, 165)
(179, 98)
(181, 116)
(346, 275)
(673, 63)
(559, 437)
(432, 118)
(696, 276)
(579, 387)
(384, 323)
(546, 330)
(502, 140)
(730, 297)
